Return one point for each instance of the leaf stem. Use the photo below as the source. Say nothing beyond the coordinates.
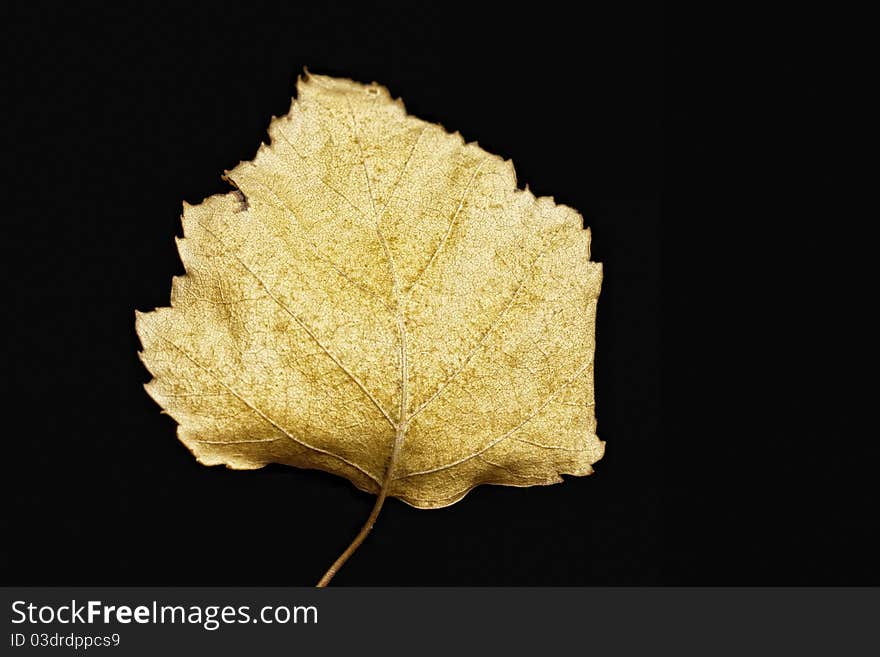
(371, 520)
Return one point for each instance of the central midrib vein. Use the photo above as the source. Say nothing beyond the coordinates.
(402, 420)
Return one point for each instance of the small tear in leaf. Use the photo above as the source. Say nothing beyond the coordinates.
(242, 200)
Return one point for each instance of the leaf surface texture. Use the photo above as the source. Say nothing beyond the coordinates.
(373, 279)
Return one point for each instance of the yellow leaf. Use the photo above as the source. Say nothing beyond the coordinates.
(378, 300)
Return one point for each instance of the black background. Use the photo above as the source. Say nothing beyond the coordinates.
(119, 114)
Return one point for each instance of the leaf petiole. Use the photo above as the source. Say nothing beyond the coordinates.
(371, 520)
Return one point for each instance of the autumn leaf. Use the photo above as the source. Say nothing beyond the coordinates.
(378, 300)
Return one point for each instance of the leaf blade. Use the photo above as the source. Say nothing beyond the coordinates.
(382, 280)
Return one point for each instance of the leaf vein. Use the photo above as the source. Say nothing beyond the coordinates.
(244, 400)
(304, 327)
(509, 433)
(449, 228)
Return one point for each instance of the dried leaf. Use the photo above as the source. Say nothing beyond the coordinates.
(378, 300)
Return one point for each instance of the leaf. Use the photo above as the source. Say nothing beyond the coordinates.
(378, 300)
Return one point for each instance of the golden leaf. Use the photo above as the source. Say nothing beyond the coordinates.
(377, 299)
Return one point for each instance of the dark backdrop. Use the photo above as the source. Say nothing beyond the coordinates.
(119, 114)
